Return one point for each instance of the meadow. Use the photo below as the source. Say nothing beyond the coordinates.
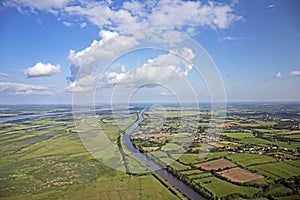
(44, 158)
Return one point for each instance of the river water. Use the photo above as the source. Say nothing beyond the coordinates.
(173, 180)
(28, 116)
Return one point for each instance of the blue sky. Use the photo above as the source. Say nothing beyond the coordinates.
(255, 45)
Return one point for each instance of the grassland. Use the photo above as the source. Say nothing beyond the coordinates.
(43, 158)
(238, 135)
(223, 188)
(247, 159)
(277, 170)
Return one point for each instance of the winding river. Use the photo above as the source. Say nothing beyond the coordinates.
(173, 180)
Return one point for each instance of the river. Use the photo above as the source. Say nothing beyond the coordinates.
(28, 116)
(173, 180)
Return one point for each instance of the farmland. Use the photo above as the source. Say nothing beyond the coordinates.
(44, 158)
(240, 175)
(222, 188)
(255, 156)
(216, 164)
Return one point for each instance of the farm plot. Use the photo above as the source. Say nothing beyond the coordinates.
(277, 170)
(216, 164)
(221, 188)
(188, 158)
(240, 175)
(247, 159)
(238, 135)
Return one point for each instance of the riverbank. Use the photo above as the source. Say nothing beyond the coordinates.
(160, 172)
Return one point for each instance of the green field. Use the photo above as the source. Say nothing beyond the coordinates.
(192, 172)
(214, 155)
(247, 159)
(222, 188)
(296, 136)
(238, 135)
(263, 142)
(43, 158)
(189, 158)
(278, 170)
(178, 166)
(200, 175)
(194, 158)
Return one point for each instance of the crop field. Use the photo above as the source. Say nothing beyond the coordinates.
(192, 172)
(200, 175)
(247, 159)
(264, 142)
(240, 175)
(223, 188)
(296, 136)
(178, 166)
(277, 170)
(238, 135)
(189, 158)
(216, 164)
(193, 158)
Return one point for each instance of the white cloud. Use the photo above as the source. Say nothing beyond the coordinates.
(100, 49)
(195, 14)
(106, 35)
(42, 69)
(83, 24)
(37, 4)
(24, 89)
(68, 24)
(134, 14)
(123, 68)
(162, 69)
(279, 75)
(83, 84)
(295, 73)
(231, 38)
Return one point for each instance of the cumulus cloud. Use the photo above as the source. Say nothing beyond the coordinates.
(83, 84)
(134, 14)
(85, 58)
(295, 73)
(42, 69)
(24, 89)
(162, 69)
(279, 75)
